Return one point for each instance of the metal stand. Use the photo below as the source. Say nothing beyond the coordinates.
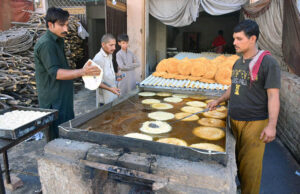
(2, 189)
(6, 144)
(6, 167)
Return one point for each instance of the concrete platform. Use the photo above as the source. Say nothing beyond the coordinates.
(278, 172)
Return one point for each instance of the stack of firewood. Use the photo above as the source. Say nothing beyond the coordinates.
(17, 80)
(73, 43)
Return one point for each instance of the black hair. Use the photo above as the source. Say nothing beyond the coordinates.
(249, 27)
(123, 37)
(56, 14)
(220, 32)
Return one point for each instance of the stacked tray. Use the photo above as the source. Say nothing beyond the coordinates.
(43, 117)
(159, 82)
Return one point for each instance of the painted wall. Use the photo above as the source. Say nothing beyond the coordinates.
(136, 32)
(288, 121)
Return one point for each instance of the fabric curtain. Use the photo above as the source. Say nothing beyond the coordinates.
(180, 13)
(175, 13)
(254, 10)
(270, 25)
(221, 7)
(291, 36)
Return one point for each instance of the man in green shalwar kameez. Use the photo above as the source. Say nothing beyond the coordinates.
(53, 74)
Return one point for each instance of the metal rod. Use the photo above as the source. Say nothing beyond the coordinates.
(6, 167)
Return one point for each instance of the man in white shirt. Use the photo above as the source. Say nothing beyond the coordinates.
(108, 90)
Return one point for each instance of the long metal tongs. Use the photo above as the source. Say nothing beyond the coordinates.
(153, 125)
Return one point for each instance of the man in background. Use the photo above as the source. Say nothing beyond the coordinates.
(127, 62)
(219, 42)
(108, 90)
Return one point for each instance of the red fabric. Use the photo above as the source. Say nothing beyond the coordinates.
(257, 65)
(219, 41)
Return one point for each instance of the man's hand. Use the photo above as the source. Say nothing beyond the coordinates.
(90, 70)
(115, 90)
(212, 105)
(268, 134)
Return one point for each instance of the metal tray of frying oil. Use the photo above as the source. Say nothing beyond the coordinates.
(28, 126)
(72, 130)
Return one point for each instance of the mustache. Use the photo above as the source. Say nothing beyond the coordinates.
(64, 33)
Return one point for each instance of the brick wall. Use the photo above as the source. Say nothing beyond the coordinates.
(288, 126)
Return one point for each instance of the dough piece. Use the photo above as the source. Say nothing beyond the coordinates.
(181, 77)
(162, 66)
(161, 116)
(210, 71)
(159, 74)
(208, 146)
(209, 133)
(210, 100)
(223, 76)
(191, 109)
(172, 65)
(180, 95)
(215, 114)
(139, 136)
(181, 115)
(198, 97)
(145, 94)
(169, 76)
(163, 127)
(210, 81)
(164, 94)
(172, 140)
(221, 109)
(199, 68)
(173, 99)
(150, 101)
(162, 106)
(93, 82)
(185, 67)
(196, 104)
(211, 122)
